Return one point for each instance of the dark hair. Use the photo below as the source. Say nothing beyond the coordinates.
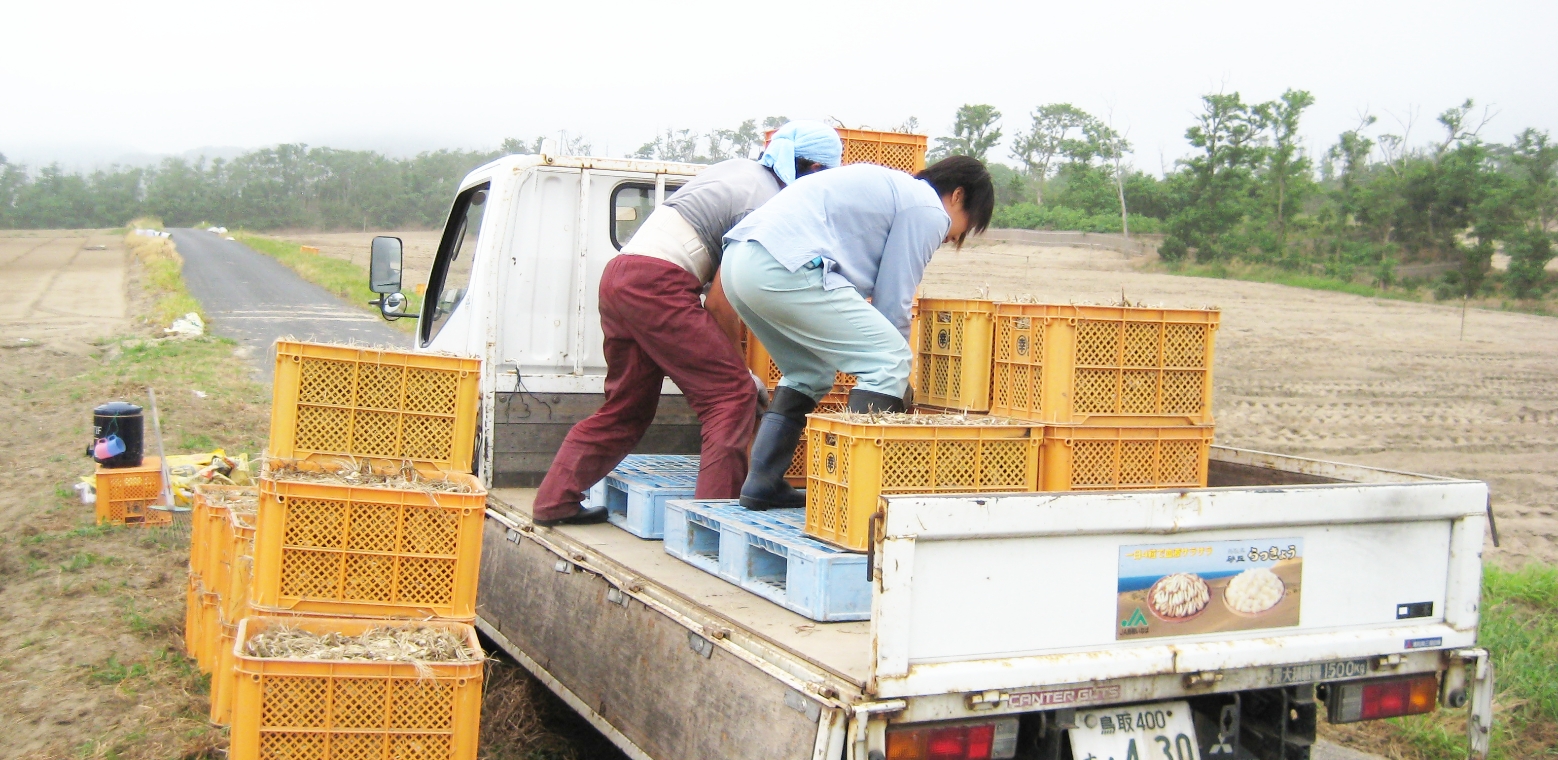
(969, 173)
(804, 166)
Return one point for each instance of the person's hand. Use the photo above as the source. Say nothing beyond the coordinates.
(762, 393)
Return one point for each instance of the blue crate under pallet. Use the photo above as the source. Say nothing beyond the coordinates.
(767, 554)
(637, 490)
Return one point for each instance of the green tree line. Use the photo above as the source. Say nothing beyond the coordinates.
(1250, 192)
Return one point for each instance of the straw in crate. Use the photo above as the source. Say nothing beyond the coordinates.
(326, 545)
(293, 707)
(1103, 365)
(854, 459)
(354, 401)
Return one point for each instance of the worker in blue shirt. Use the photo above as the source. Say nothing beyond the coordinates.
(799, 270)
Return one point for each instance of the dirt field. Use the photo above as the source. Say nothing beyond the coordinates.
(1337, 376)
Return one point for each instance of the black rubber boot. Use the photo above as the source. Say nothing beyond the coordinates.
(772, 451)
(585, 516)
(870, 401)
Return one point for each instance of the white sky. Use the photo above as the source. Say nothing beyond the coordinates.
(90, 81)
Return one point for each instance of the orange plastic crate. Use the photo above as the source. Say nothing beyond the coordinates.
(342, 709)
(1102, 458)
(352, 401)
(952, 355)
(852, 464)
(350, 550)
(192, 630)
(208, 524)
(762, 364)
(894, 150)
(1103, 365)
(206, 622)
(125, 493)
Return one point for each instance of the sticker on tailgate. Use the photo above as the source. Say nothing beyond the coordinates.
(1208, 587)
(1319, 671)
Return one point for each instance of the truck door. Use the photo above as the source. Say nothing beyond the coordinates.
(450, 279)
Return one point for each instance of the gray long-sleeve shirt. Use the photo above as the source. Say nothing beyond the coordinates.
(874, 228)
(721, 196)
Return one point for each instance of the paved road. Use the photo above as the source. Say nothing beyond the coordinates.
(253, 299)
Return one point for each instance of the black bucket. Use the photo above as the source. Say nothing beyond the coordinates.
(122, 422)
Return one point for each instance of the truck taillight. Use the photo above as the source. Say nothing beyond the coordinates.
(996, 740)
(1376, 698)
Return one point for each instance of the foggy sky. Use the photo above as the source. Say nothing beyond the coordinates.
(86, 82)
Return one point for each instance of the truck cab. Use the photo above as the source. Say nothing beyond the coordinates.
(1000, 625)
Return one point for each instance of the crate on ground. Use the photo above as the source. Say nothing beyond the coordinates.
(1087, 457)
(359, 550)
(125, 494)
(205, 653)
(368, 402)
(768, 554)
(292, 708)
(1103, 365)
(192, 616)
(209, 524)
(952, 359)
(853, 463)
(636, 491)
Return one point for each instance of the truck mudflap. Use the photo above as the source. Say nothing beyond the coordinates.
(1479, 728)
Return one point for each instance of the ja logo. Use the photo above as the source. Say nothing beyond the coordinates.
(1136, 620)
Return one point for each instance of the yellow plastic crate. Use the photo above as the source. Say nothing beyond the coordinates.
(894, 150)
(363, 402)
(206, 622)
(762, 364)
(953, 353)
(192, 630)
(851, 464)
(309, 709)
(125, 493)
(350, 550)
(208, 524)
(223, 680)
(1103, 365)
(1092, 458)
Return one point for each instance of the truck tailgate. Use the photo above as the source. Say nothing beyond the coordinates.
(978, 593)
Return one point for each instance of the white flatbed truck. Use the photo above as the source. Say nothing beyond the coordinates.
(1001, 625)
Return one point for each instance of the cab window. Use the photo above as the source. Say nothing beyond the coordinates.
(451, 275)
(631, 204)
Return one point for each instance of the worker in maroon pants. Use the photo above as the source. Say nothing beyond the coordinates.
(657, 326)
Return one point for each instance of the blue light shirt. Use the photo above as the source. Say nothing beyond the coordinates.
(874, 228)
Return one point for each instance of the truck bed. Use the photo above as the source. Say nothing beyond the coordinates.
(841, 649)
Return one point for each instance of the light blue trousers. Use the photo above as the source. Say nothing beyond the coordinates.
(810, 332)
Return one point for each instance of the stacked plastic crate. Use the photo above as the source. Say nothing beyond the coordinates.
(1062, 398)
(1124, 392)
(331, 554)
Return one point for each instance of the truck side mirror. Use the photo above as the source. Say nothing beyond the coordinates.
(384, 265)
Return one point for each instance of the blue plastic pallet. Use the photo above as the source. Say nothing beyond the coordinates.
(767, 554)
(637, 490)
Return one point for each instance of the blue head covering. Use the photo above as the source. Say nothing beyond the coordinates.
(811, 140)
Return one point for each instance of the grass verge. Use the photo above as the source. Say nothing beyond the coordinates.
(164, 276)
(1520, 629)
(342, 278)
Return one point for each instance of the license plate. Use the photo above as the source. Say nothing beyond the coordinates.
(1321, 671)
(1159, 731)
